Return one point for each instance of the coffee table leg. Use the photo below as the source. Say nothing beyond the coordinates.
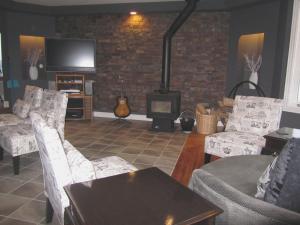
(1, 153)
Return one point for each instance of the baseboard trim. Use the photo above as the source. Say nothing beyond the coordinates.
(131, 117)
(112, 115)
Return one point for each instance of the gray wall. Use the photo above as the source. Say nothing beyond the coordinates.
(262, 18)
(274, 19)
(4, 48)
(25, 24)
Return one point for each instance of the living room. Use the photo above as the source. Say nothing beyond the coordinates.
(204, 65)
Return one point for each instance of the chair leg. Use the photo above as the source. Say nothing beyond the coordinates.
(207, 158)
(49, 211)
(1, 153)
(16, 164)
(68, 220)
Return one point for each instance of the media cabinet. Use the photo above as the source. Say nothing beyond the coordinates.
(80, 105)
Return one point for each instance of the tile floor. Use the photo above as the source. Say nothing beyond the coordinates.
(21, 197)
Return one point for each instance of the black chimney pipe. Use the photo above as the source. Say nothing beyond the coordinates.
(166, 59)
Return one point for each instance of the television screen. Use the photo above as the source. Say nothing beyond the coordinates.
(70, 55)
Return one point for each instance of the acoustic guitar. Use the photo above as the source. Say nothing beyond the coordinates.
(122, 108)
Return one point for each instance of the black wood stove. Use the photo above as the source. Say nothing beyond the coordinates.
(163, 105)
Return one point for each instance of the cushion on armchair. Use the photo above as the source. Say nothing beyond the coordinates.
(21, 108)
(112, 165)
(258, 115)
(33, 95)
(234, 143)
(53, 110)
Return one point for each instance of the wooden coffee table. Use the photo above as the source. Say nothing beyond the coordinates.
(144, 197)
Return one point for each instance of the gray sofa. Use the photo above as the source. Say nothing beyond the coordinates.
(230, 183)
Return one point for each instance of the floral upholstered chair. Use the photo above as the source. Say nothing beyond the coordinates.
(32, 100)
(251, 119)
(19, 139)
(63, 165)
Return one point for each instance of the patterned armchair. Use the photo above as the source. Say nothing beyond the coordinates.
(32, 100)
(19, 139)
(251, 119)
(64, 165)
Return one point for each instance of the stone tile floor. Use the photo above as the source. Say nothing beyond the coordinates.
(21, 196)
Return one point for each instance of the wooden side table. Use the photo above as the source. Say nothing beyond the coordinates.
(276, 140)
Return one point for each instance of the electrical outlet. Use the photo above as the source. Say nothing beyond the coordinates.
(6, 104)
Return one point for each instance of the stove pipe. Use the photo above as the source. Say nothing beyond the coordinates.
(167, 41)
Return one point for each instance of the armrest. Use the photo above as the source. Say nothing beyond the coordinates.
(239, 207)
(81, 168)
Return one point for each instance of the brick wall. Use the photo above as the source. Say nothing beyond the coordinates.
(131, 47)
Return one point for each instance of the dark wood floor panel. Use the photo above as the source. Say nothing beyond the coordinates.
(191, 157)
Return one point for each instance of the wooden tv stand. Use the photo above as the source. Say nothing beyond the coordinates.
(80, 106)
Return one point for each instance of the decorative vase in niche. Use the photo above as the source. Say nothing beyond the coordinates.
(253, 78)
(33, 73)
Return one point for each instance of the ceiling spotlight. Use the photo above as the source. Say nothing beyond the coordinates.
(133, 13)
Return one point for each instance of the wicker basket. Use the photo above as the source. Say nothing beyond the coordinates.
(206, 124)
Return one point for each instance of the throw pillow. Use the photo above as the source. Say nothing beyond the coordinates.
(289, 196)
(33, 96)
(278, 174)
(81, 168)
(21, 108)
(264, 180)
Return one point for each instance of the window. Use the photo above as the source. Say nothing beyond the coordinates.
(292, 83)
(1, 69)
(1, 74)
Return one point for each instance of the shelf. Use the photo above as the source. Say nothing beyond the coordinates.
(69, 83)
(75, 108)
(79, 103)
(75, 95)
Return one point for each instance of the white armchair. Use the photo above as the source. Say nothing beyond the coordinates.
(19, 139)
(63, 165)
(251, 119)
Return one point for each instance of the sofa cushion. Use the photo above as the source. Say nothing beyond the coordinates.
(289, 196)
(279, 172)
(264, 180)
(21, 108)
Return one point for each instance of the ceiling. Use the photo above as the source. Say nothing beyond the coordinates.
(229, 3)
(87, 7)
(85, 2)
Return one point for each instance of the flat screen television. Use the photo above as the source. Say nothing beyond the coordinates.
(70, 55)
